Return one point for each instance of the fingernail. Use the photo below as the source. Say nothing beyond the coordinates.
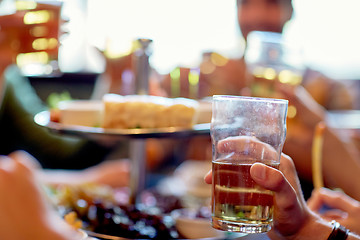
(258, 171)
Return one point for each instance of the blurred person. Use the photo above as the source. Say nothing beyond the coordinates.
(19, 132)
(293, 219)
(339, 154)
(219, 75)
(18, 105)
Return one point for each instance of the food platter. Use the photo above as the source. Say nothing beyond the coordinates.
(98, 133)
(113, 136)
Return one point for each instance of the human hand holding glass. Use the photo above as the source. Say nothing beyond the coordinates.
(244, 131)
(292, 218)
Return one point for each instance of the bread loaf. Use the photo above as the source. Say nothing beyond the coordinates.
(144, 111)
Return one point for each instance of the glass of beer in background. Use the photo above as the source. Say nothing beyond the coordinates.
(238, 203)
(36, 40)
(272, 62)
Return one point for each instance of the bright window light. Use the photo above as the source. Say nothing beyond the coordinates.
(182, 30)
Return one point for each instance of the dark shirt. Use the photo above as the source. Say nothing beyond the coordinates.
(18, 130)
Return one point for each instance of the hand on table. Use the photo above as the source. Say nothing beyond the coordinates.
(343, 208)
(24, 211)
(115, 173)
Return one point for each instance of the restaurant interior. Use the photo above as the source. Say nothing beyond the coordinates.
(110, 103)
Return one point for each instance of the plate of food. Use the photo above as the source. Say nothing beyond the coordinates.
(103, 213)
(119, 116)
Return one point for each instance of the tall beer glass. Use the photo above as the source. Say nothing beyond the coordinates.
(244, 130)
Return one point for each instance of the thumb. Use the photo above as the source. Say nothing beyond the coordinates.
(25, 159)
(208, 177)
(274, 180)
(287, 208)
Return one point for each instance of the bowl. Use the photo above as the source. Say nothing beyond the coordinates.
(190, 226)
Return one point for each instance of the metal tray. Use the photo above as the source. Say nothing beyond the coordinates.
(97, 133)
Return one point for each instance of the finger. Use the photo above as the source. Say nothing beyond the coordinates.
(6, 167)
(246, 145)
(208, 177)
(287, 167)
(6, 163)
(315, 202)
(25, 160)
(287, 208)
(334, 215)
(268, 177)
(289, 205)
(337, 200)
(16, 166)
(274, 180)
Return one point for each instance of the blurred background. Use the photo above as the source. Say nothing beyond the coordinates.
(183, 30)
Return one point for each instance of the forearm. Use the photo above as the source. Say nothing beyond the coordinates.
(341, 157)
(317, 228)
(112, 173)
(68, 177)
(321, 229)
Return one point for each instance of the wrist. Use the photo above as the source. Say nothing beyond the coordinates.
(314, 228)
(338, 232)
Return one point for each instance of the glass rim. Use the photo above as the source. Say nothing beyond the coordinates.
(251, 99)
